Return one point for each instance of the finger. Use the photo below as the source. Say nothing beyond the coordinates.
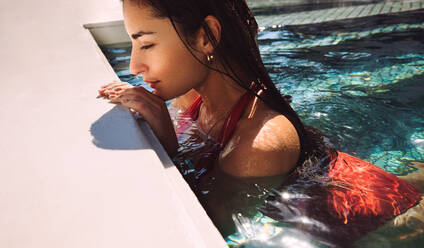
(141, 94)
(119, 89)
(118, 85)
(101, 93)
(103, 90)
(139, 90)
(111, 83)
(137, 104)
(104, 93)
(114, 100)
(131, 98)
(116, 92)
(111, 88)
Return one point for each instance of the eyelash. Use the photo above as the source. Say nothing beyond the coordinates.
(146, 47)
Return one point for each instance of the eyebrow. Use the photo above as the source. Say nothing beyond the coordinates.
(141, 33)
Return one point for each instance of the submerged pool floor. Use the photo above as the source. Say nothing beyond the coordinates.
(363, 87)
(283, 13)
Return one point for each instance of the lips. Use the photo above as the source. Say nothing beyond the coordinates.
(152, 84)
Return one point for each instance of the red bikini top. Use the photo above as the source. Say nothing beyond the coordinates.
(230, 123)
(209, 158)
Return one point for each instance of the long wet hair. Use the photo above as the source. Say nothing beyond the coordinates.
(237, 45)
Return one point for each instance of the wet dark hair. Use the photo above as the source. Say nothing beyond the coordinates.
(238, 45)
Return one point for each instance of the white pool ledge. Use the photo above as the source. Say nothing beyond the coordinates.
(75, 170)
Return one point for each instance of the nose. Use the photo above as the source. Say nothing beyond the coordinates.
(137, 66)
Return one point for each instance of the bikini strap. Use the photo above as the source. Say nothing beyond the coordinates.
(193, 110)
(188, 116)
(229, 124)
(232, 119)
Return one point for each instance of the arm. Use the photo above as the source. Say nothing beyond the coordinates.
(151, 107)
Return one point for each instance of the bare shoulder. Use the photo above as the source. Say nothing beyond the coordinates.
(264, 145)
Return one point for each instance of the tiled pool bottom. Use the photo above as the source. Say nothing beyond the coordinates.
(364, 89)
(363, 86)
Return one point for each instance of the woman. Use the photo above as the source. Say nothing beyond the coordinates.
(204, 54)
(173, 67)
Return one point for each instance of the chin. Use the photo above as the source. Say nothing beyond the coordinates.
(169, 95)
(163, 96)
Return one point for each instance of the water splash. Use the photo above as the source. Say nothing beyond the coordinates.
(261, 231)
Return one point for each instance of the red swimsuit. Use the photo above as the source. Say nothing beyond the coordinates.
(208, 160)
(349, 199)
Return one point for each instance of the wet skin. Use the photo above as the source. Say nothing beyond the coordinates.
(265, 143)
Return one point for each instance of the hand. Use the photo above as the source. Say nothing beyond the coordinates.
(114, 90)
(153, 109)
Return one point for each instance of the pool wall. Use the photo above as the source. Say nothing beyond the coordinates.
(75, 170)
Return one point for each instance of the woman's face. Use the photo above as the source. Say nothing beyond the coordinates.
(159, 55)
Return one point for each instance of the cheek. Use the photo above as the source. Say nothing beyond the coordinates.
(180, 67)
(190, 70)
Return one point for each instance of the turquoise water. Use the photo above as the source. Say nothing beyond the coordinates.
(364, 89)
(360, 83)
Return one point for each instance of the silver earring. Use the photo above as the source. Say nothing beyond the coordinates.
(210, 58)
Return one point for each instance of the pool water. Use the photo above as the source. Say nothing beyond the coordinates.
(364, 89)
(360, 82)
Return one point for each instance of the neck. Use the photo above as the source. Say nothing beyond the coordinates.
(219, 93)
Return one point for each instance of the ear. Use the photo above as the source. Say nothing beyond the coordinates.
(202, 41)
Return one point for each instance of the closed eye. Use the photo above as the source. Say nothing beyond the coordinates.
(147, 47)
